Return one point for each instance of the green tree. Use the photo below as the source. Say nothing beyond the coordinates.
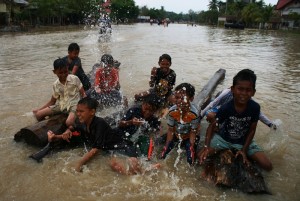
(213, 5)
(251, 14)
(124, 10)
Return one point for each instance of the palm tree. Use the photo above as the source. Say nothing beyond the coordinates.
(213, 5)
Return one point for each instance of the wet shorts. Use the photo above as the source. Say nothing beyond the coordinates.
(56, 109)
(218, 142)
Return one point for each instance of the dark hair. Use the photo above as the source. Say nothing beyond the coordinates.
(245, 75)
(59, 64)
(189, 89)
(107, 59)
(73, 47)
(91, 103)
(165, 56)
(153, 100)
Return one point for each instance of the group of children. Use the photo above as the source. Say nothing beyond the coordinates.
(232, 122)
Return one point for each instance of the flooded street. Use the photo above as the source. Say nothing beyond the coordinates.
(197, 53)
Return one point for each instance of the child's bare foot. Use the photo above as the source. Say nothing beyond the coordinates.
(50, 136)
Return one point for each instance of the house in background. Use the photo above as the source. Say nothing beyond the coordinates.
(8, 8)
(290, 13)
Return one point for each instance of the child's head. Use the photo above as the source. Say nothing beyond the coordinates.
(165, 62)
(245, 75)
(184, 94)
(107, 59)
(150, 105)
(73, 50)
(86, 109)
(243, 87)
(60, 69)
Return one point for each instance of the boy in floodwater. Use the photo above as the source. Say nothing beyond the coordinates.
(235, 124)
(74, 65)
(141, 118)
(106, 84)
(95, 132)
(183, 122)
(162, 81)
(67, 91)
(224, 97)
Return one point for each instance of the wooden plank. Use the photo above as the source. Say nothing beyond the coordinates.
(203, 97)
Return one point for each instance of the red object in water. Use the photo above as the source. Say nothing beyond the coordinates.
(150, 149)
(75, 133)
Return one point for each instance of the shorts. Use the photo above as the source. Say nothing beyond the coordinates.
(219, 143)
(56, 109)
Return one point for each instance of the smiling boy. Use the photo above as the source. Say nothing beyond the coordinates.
(236, 123)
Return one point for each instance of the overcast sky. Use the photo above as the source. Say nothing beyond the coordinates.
(184, 6)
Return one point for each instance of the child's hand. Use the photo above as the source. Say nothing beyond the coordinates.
(153, 71)
(78, 167)
(67, 136)
(210, 117)
(137, 122)
(98, 90)
(243, 154)
(204, 153)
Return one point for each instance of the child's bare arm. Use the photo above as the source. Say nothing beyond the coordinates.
(74, 70)
(87, 157)
(209, 134)
(52, 101)
(153, 75)
(249, 137)
(82, 92)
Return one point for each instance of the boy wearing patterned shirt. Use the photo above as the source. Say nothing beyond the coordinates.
(183, 122)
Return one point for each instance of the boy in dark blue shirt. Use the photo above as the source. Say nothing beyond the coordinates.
(236, 124)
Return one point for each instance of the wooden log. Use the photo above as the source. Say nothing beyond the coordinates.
(203, 97)
(36, 134)
(224, 169)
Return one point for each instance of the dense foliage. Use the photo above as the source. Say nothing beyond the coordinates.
(62, 12)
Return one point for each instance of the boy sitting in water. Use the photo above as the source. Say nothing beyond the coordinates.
(235, 124)
(224, 97)
(100, 136)
(106, 84)
(95, 131)
(67, 91)
(161, 82)
(74, 65)
(141, 117)
(183, 122)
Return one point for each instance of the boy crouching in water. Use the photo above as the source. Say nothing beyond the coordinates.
(183, 122)
(236, 123)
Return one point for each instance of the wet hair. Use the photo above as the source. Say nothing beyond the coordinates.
(73, 47)
(165, 56)
(59, 64)
(91, 103)
(153, 100)
(107, 59)
(189, 89)
(245, 75)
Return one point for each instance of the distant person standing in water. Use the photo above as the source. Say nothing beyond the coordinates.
(74, 65)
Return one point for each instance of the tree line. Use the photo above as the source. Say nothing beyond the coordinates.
(64, 12)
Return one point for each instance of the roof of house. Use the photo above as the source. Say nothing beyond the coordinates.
(282, 3)
(21, 2)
